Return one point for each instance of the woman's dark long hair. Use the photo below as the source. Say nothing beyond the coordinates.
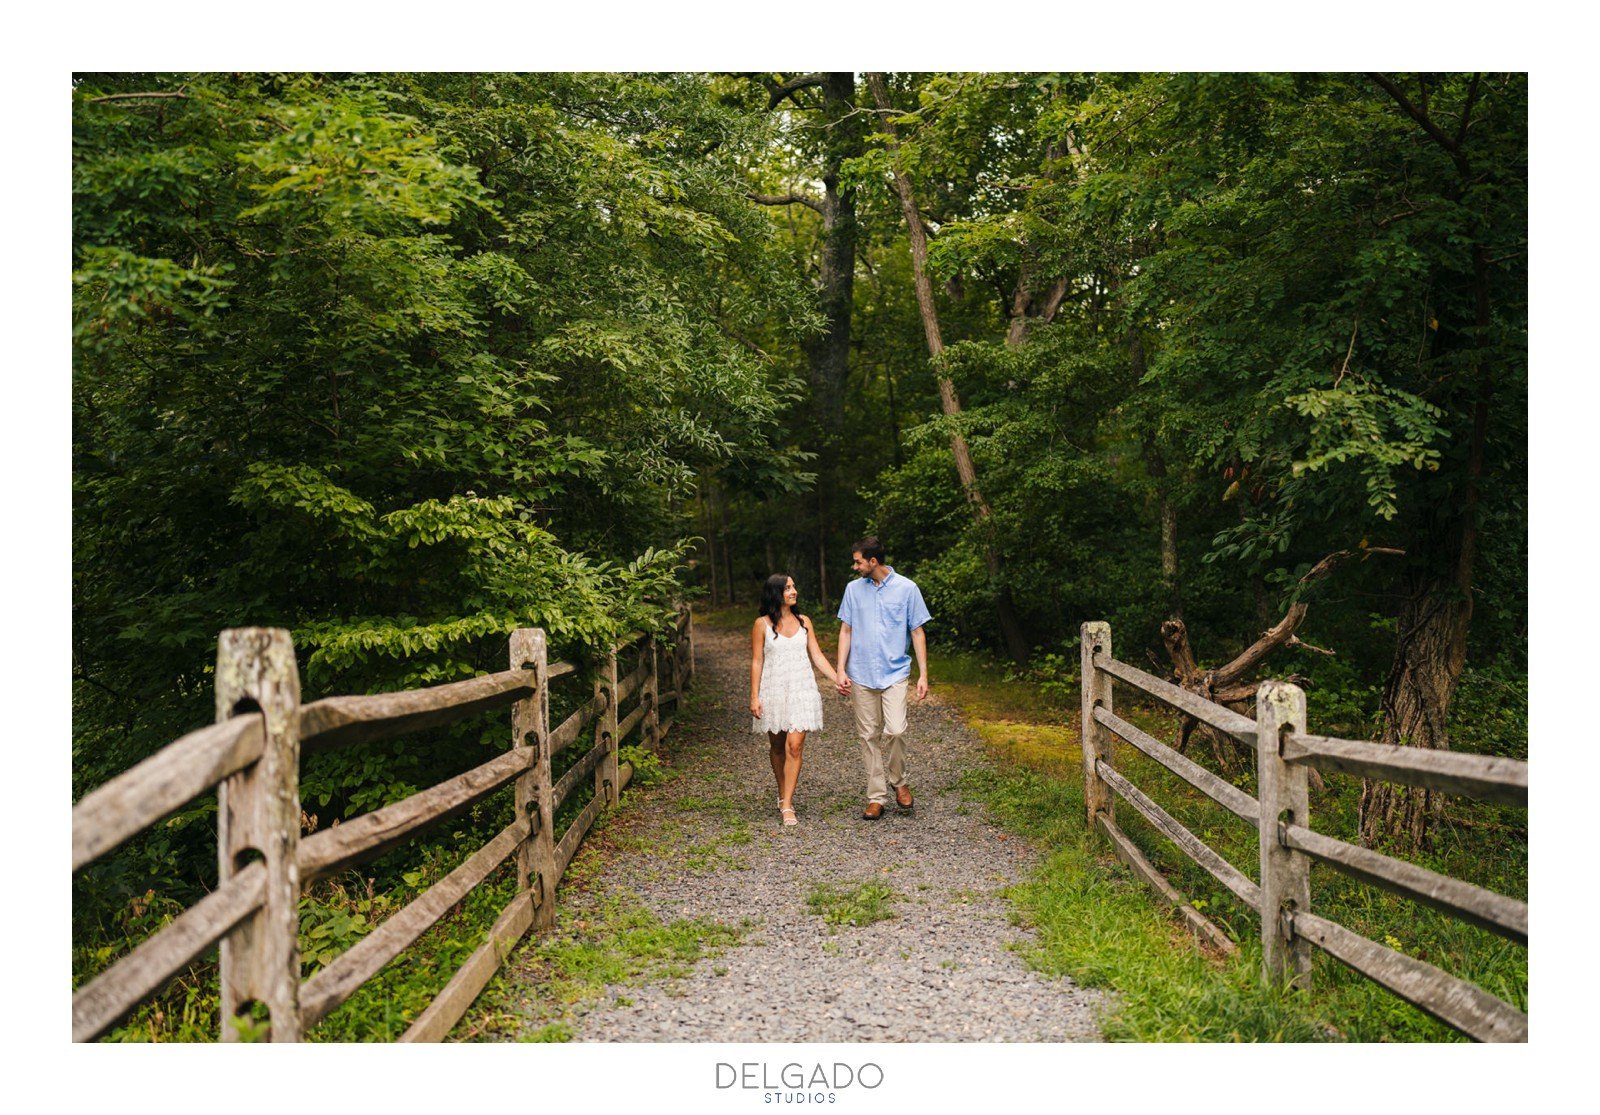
(772, 601)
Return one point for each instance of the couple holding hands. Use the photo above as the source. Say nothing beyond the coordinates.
(880, 611)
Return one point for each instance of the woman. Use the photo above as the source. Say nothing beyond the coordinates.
(783, 691)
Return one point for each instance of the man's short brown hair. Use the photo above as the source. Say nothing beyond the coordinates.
(869, 548)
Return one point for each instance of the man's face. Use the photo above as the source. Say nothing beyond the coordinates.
(863, 566)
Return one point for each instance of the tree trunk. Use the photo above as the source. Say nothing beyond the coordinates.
(822, 565)
(828, 353)
(1010, 628)
(1430, 653)
(1431, 641)
(1156, 465)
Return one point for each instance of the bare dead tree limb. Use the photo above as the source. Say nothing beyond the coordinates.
(1296, 641)
(1281, 632)
(1226, 685)
(786, 199)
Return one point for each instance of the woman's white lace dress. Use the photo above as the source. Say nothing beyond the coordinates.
(789, 698)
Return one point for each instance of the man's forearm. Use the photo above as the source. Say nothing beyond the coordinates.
(844, 649)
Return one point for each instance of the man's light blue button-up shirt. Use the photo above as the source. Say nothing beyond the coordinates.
(881, 618)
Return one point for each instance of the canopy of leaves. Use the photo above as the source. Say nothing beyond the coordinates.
(401, 363)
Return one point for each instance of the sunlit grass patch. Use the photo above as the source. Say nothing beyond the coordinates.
(617, 943)
(854, 904)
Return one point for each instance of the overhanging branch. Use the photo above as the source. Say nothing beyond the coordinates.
(786, 199)
(1421, 117)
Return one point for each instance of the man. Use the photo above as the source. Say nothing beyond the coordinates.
(876, 615)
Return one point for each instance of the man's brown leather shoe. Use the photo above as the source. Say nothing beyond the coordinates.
(902, 796)
(873, 811)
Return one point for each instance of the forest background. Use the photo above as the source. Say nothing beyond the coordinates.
(403, 362)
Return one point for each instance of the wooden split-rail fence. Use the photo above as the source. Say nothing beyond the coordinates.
(1285, 753)
(251, 757)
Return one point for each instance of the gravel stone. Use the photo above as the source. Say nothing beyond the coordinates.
(942, 969)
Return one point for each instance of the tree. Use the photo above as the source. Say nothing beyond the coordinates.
(1006, 612)
(1339, 278)
(833, 133)
(400, 363)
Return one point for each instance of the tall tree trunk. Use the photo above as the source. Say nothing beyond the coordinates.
(1171, 586)
(1431, 640)
(1430, 653)
(828, 354)
(822, 561)
(1156, 465)
(1010, 628)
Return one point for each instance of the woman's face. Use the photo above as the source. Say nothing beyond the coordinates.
(789, 593)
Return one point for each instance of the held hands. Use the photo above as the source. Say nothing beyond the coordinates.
(841, 682)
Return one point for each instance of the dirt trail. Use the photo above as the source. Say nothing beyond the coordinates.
(709, 844)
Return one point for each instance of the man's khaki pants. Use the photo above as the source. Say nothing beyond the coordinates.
(881, 723)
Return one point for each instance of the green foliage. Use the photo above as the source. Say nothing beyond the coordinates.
(401, 363)
(647, 766)
(1268, 324)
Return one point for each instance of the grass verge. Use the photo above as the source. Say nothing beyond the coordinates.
(1096, 922)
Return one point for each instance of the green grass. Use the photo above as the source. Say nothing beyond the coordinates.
(854, 904)
(617, 943)
(1097, 923)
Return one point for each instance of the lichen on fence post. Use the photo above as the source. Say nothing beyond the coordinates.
(1282, 790)
(258, 817)
(530, 727)
(607, 777)
(1096, 738)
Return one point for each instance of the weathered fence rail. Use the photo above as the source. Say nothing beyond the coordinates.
(251, 757)
(1285, 753)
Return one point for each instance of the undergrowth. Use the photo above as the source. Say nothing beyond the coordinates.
(1096, 922)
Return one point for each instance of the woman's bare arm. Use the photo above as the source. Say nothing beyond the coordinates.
(757, 653)
(818, 659)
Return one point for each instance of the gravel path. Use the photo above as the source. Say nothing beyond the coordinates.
(709, 844)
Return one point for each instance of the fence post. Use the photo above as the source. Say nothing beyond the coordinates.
(1096, 738)
(1285, 874)
(258, 818)
(652, 696)
(607, 779)
(530, 727)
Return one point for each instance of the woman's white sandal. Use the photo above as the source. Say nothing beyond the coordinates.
(788, 815)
